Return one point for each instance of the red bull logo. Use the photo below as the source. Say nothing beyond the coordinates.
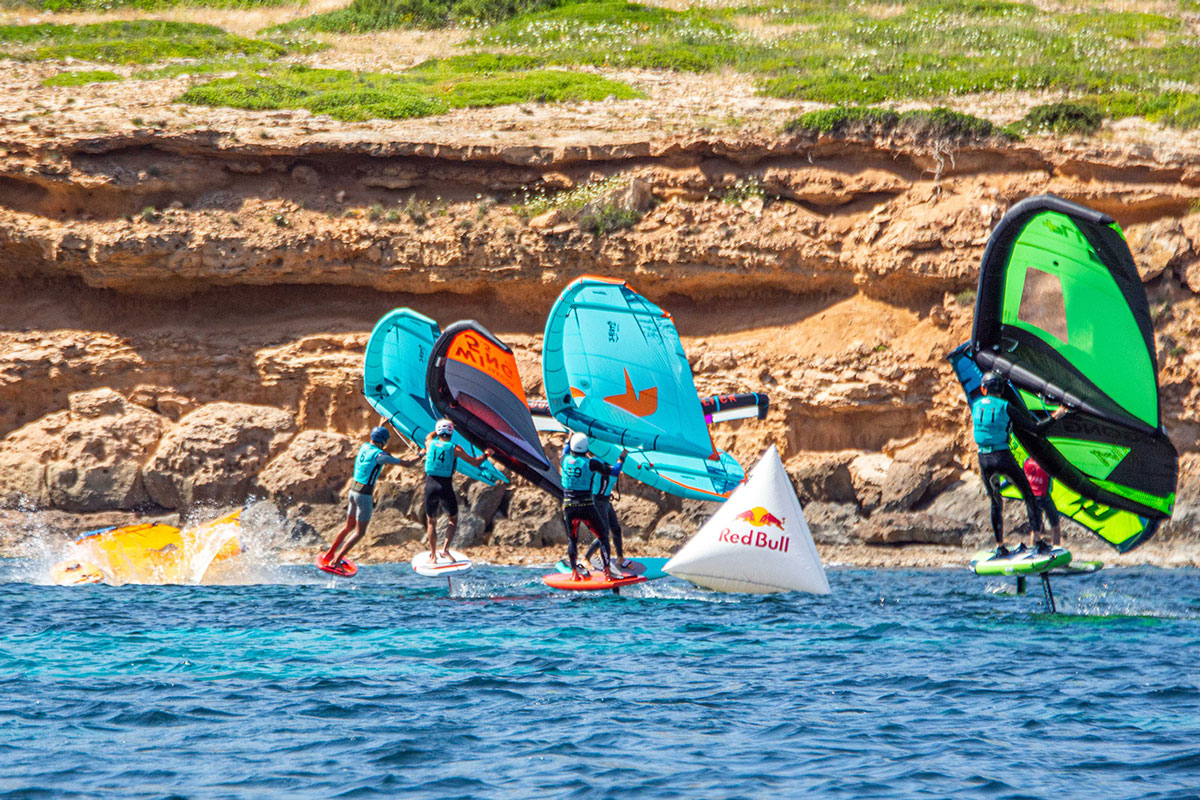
(760, 518)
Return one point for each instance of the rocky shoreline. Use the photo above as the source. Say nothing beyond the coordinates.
(211, 351)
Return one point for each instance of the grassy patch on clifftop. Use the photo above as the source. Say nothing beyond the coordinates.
(133, 42)
(364, 16)
(431, 88)
(864, 53)
(141, 5)
(81, 77)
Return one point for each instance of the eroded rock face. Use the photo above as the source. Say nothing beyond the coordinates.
(215, 452)
(86, 458)
(312, 468)
(99, 460)
(24, 456)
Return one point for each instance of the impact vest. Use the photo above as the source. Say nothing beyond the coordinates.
(576, 474)
(990, 418)
(603, 483)
(367, 467)
(440, 459)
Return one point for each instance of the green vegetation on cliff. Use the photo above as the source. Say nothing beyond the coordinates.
(141, 5)
(935, 124)
(364, 16)
(864, 53)
(431, 88)
(132, 42)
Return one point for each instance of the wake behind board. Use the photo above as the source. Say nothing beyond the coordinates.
(346, 569)
(1027, 562)
(1078, 568)
(594, 582)
(425, 564)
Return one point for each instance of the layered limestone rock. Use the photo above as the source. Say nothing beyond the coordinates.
(212, 350)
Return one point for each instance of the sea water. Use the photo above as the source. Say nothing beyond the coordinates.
(900, 684)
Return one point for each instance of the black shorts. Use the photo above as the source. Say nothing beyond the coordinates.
(1049, 510)
(439, 492)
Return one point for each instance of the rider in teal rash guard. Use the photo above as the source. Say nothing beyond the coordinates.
(991, 420)
(368, 462)
(441, 459)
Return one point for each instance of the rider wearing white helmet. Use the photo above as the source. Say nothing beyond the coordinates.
(441, 458)
(579, 507)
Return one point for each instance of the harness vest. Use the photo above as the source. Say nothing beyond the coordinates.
(367, 467)
(576, 474)
(990, 418)
(440, 459)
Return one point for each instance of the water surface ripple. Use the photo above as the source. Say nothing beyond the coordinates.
(902, 684)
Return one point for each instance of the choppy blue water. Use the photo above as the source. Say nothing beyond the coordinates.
(902, 684)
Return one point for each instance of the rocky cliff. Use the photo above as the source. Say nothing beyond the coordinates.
(184, 313)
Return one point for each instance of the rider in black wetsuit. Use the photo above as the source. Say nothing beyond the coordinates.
(990, 417)
(603, 484)
(578, 506)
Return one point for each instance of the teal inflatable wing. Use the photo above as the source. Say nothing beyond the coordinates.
(614, 368)
(682, 476)
(394, 382)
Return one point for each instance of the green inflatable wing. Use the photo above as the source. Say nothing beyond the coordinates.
(394, 383)
(1062, 314)
(1124, 530)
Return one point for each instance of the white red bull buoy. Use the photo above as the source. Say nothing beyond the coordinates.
(757, 542)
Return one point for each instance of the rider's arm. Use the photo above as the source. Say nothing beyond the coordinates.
(474, 461)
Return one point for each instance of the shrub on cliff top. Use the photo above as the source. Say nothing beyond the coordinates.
(843, 120)
(936, 124)
(1063, 117)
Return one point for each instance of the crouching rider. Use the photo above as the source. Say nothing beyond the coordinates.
(368, 462)
(579, 507)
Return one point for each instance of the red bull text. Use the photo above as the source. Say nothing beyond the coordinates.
(755, 539)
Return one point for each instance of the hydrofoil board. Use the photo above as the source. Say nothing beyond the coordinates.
(593, 582)
(346, 569)
(427, 565)
(1025, 562)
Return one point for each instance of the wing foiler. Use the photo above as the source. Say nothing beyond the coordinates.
(394, 369)
(472, 379)
(682, 476)
(1061, 313)
(757, 542)
(1121, 529)
(613, 367)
